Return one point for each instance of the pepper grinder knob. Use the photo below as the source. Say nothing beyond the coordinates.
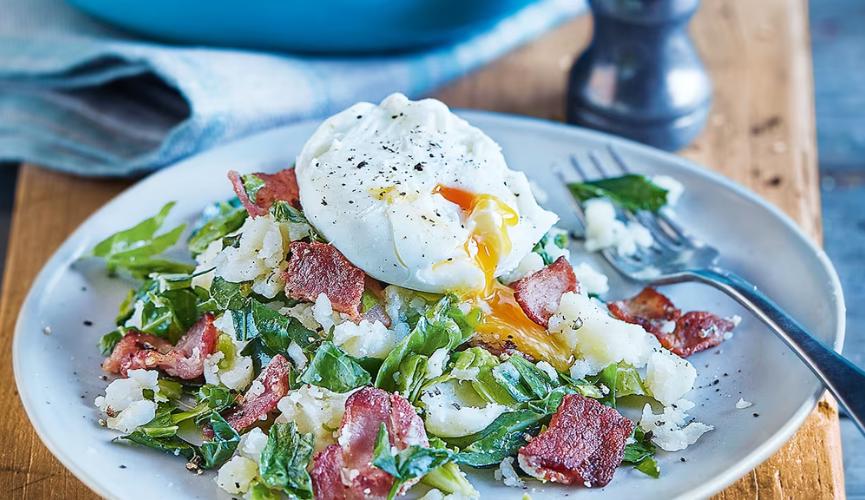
(641, 77)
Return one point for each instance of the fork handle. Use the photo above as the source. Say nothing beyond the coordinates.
(843, 379)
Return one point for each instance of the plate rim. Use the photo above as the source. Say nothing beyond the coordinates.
(477, 117)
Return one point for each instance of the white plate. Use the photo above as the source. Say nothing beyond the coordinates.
(58, 374)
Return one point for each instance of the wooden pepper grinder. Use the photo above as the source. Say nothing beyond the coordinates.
(641, 77)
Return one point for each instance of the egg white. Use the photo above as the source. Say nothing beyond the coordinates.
(368, 178)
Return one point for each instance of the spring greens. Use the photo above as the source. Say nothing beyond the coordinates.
(216, 221)
(136, 250)
(269, 333)
(641, 453)
(284, 461)
(335, 370)
(631, 192)
(444, 326)
(218, 450)
(411, 463)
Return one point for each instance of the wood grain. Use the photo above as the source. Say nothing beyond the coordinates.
(760, 133)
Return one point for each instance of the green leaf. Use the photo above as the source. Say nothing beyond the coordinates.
(640, 449)
(282, 211)
(228, 295)
(608, 378)
(335, 370)
(584, 387)
(485, 384)
(142, 267)
(501, 439)
(108, 341)
(628, 381)
(371, 365)
(217, 397)
(412, 376)
(260, 355)
(171, 389)
(168, 444)
(444, 326)
(620, 380)
(200, 412)
(259, 491)
(550, 403)
(127, 307)
(276, 331)
(381, 454)
(448, 478)
(641, 453)
(523, 380)
(216, 221)
(269, 333)
(560, 239)
(134, 238)
(631, 192)
(368, 301)
(211, 399)
(252, 184)
(225, 345)
(649, 466)
(135, 249)
(284, 461)
(218, 450)
(170, 313)
(162, 425)
(410, 463)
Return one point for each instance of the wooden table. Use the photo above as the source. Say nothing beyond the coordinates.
(760, 133)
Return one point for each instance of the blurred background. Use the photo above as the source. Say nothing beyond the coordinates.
(838, 44)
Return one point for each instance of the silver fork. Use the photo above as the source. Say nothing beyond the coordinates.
(676, 256)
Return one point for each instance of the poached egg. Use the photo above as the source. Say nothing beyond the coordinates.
(417, 197)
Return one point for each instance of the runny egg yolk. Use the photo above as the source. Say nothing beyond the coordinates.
(505, 324)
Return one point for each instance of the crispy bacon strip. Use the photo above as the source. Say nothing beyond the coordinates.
(279, 186)
(583, 444)
(261, 398)
(185, 360)
(696, 331)
(316, 268)
(136, 350)
(345, 471)
(683, 334)
(650, 309)
(539, 293)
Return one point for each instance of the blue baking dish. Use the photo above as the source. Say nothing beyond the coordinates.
(332, 26)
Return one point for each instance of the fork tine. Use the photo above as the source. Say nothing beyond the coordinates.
(578, 168)
(663, 246)
(674, 226)
(575, 204)
(659, 232)
(661, 222)
(646, 220)
(599, 165)
(618, 159)
(672, 249)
